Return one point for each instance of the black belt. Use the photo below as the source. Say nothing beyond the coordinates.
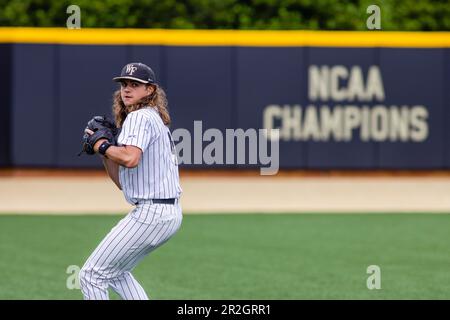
(162, 201)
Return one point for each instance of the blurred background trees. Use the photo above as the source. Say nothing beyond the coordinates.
(404, 15)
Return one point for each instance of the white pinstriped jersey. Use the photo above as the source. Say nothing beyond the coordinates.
(156, 175)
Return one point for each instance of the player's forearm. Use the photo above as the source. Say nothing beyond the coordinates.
(122, 156)
(126, 156)
(112, 169)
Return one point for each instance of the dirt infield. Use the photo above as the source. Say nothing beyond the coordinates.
(81, 191)
(45, 172)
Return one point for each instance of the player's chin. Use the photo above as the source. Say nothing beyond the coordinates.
(128, 102)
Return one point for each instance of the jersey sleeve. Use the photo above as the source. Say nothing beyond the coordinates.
(138, 131)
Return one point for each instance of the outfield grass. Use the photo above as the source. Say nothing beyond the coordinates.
(308, 256)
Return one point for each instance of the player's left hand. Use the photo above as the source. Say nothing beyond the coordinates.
(98, 129)
(98, 143)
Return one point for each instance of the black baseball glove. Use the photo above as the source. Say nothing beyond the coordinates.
(103, 128)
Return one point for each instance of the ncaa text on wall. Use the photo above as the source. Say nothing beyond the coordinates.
(346, 104)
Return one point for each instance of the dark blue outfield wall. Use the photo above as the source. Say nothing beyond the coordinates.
(355, 108)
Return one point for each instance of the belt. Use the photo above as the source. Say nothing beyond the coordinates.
(162, 201)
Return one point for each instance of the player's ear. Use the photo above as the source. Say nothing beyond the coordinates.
(150, 89)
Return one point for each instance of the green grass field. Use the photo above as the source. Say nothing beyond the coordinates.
(307, 256)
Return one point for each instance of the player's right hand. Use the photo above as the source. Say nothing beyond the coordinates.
(88, 131)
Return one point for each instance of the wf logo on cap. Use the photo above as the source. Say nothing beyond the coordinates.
(130, 69)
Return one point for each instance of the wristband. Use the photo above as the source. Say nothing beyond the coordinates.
(103, 147)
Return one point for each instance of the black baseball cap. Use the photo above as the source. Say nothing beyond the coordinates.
(137, 71)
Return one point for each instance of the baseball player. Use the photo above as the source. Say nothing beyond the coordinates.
(141, 161)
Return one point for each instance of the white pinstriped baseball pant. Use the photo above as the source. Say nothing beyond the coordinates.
(143, 229)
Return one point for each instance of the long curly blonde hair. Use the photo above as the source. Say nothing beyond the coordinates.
(157, 99)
